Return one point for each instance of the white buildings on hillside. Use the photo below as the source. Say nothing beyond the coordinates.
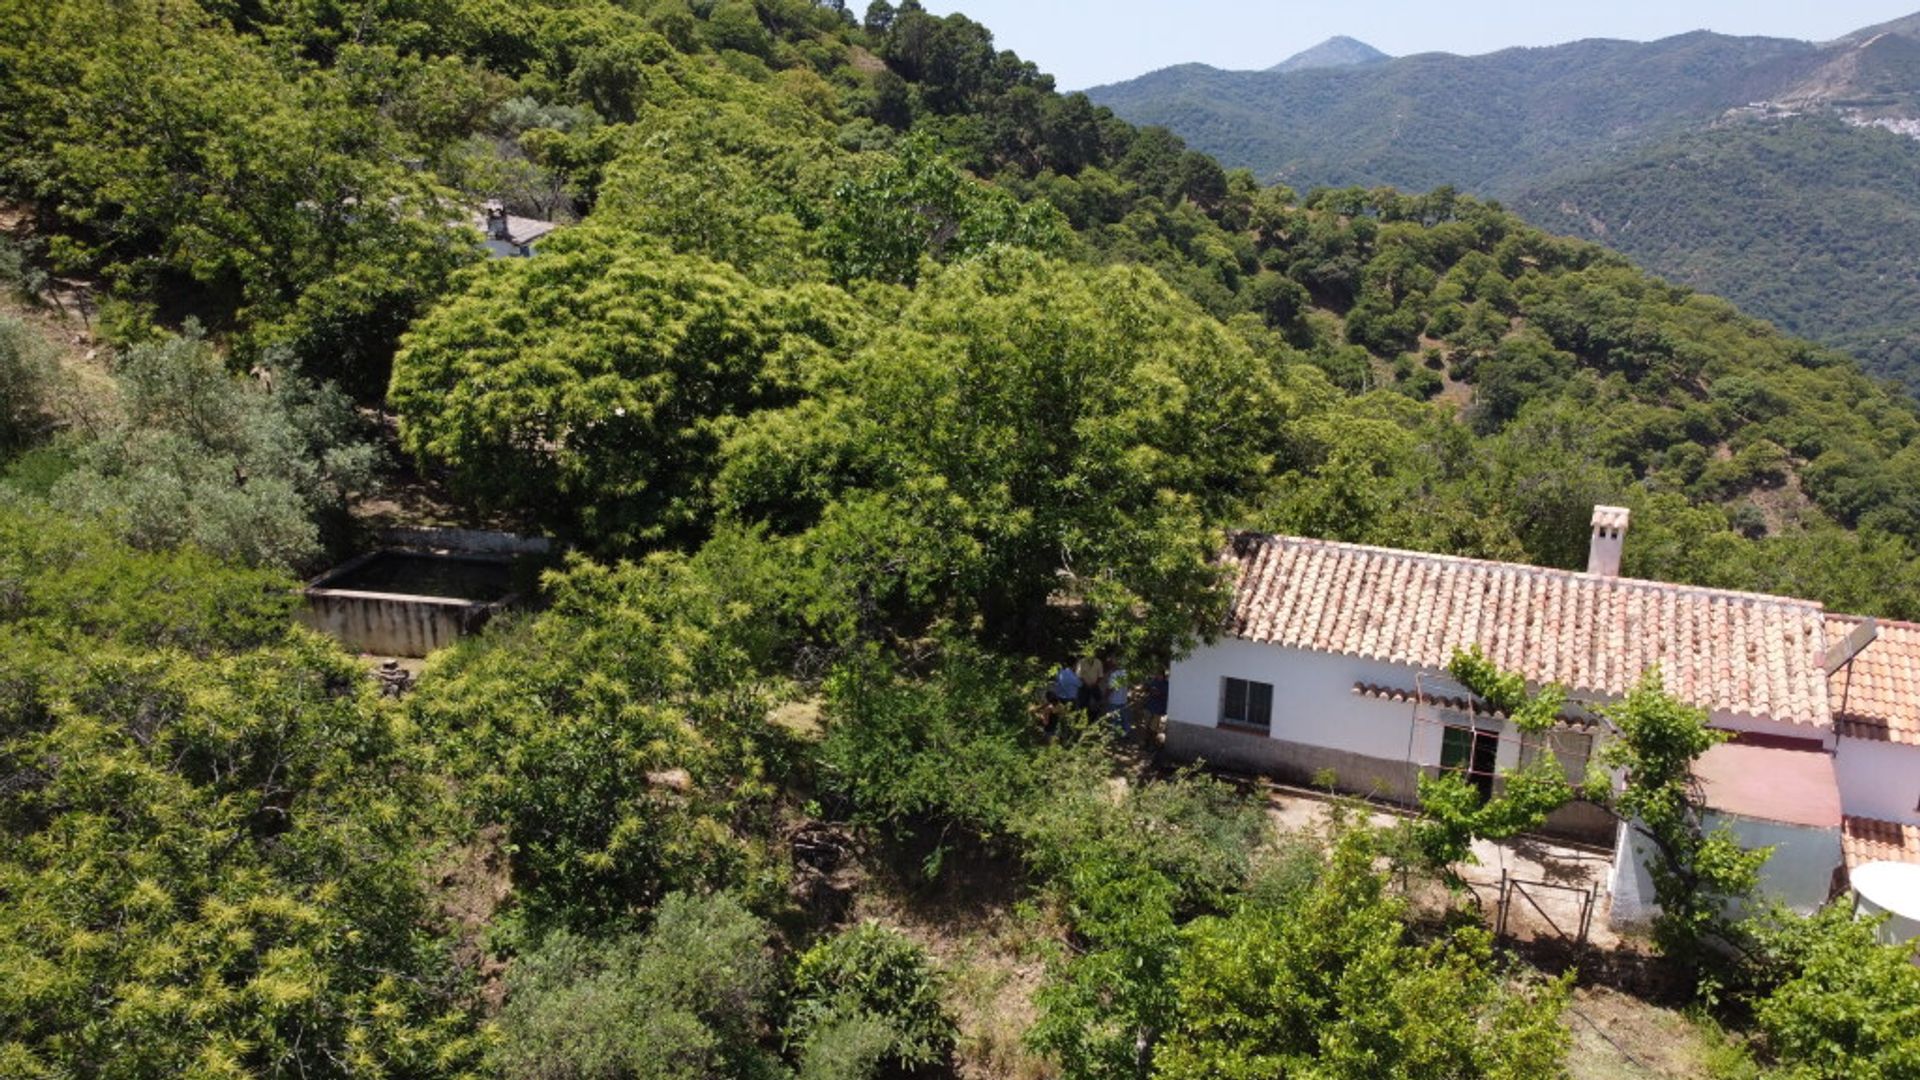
(1334, 661)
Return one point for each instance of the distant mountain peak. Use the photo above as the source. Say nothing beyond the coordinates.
(1334, 52)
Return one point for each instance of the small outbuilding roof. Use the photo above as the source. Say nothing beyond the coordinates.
(1768, 783)
(1868, 840)
(1876, 695)
(1731, 652)
(521, 231)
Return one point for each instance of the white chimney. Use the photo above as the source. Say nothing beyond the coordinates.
(1609, 537)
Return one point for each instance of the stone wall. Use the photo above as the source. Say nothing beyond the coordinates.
(1290, 762)
(392, 625)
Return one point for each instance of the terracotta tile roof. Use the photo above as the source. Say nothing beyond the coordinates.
(1399, 696)
(1876, 695)
(1743, 653)
(1867, 840)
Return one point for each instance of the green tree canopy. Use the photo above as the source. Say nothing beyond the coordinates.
(1055, 429)
(211, 843)
(593, 385)
(1334, 986)
(619, 737)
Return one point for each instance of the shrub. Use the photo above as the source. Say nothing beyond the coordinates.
(1125, 866)
(1333, 985)
(205, 457)
(1421, 383)
(853, 986)
(683, 1000)
(26, 384)
(850, 1047)
(67, 579)
(947, 753)
(1841, 1006)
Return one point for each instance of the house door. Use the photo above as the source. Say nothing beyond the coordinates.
(1471, 752)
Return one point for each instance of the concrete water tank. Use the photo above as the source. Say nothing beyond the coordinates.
(1892, 889)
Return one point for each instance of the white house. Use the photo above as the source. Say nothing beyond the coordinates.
(1333, 662)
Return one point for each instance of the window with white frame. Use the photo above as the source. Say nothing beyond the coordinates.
(1246, 704)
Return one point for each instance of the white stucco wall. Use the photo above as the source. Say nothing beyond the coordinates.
(1879, 779)
(1799, 873)
(1313, 699)
(1630, 888)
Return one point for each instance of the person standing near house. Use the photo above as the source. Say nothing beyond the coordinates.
(1115, 709)
(1065, 687)
(1090, 671)
(1063, 693)
(1155, 702)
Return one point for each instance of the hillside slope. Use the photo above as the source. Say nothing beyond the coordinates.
(1688, 154)
(1805, 220)
(868, 379)
(788, 185)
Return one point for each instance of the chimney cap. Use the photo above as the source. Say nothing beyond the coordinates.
(1611, 517)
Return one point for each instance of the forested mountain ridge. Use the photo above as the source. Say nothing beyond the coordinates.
(868, 378)
(1762, 210)
(1485, 124)
(1563, 130)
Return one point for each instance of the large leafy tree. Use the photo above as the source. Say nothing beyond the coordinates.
(594, 384)
(167, 150)
(913, 205)
(619, 737)
(1054, 430)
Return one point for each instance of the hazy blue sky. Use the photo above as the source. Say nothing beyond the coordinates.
(1087, 42)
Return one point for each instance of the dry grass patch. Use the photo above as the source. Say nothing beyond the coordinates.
(1620, 1037)
(990, 946)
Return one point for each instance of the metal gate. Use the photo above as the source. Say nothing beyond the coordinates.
(1567, 910)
